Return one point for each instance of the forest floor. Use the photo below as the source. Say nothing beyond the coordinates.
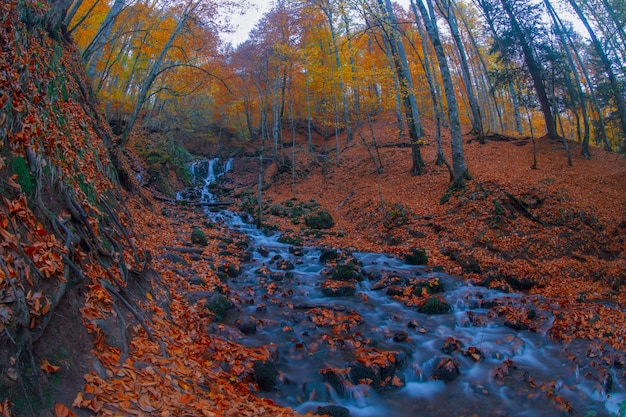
(557, 231)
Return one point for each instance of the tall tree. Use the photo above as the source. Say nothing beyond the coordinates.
(389, 25)
(447, 10)
(618, 91)
(459, 168)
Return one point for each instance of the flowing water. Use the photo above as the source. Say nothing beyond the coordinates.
(504, 370)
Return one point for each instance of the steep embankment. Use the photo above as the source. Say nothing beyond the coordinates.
(557, 231)
(104, 301)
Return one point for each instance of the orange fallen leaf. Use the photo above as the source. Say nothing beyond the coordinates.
(49, 368)
(61, 410)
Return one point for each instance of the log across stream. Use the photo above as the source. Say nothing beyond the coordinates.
(345, 341)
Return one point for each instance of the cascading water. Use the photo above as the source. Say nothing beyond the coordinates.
(495, 368)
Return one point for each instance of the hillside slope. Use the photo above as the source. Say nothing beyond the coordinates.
(557, 231)
(98, 315)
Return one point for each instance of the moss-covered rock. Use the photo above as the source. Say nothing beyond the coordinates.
(198, 237)
(319, 220)
(348, 270)
(214, 302)
(290, 239)
(416, 257)
(434, 305)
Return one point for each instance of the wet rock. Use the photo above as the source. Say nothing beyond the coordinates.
(285, 265)
(429, 286)
(416, 257)
(319, 220)
(328, 254)
(474, 353)
(338, 288)
(198, 237)
(315, 391)
(451, 345)
(400, 336)
(447, 370)
(276, 258)
(273, 350)
(434, 305)
(333, 411)
(263, 251)
(231, 270)
(395, 290)
(195, 280)
(359, 374)
(380, 371)
(296, 250)
(348, 269)
(275, 276)
(265, 375)
(263, 271)
(247, 325)
(214, 301)
(335, 379)
(290, 239)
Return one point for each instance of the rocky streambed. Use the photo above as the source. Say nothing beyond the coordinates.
(366, 334)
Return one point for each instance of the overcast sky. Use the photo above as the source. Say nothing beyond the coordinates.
(243, 24)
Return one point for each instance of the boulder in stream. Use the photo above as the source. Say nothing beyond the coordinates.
(434, 305)
(265, 375)
(332, 288)
(247, 325)
(447, 370)
(333, 411)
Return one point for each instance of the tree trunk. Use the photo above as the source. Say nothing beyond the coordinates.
(447, 11)
(406, 87)
(459, 168)
(190, 7)
(618, 94)
(579, 89)
(534, 69)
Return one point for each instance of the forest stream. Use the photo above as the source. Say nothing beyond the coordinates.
(340, 338)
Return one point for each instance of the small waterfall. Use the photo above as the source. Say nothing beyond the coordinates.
(203, 174)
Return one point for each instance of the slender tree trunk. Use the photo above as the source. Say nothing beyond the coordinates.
(406, 87)
(534, 69)
(92, 53)
(459, 167)
(190, 7)
(441, 158)
(618, 93)
(447, 11)
(328, 11)
(516, 109)
(579, 88)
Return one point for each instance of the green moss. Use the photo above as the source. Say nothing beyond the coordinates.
(24, 178)
(198, 237)
(416, 257)
(434, 305)
(319, 220)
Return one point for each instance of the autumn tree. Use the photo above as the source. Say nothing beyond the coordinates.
(459, 168)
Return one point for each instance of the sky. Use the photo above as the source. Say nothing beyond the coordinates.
(243, 24)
